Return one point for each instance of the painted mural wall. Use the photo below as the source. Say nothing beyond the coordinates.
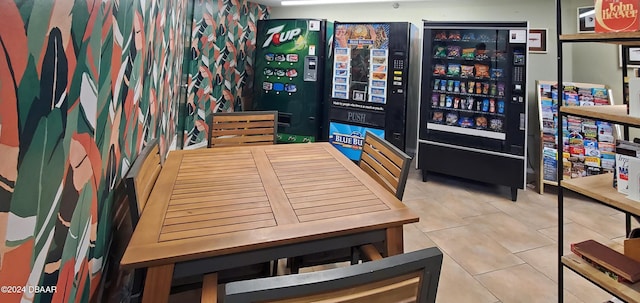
(83, 85)
(221, 63)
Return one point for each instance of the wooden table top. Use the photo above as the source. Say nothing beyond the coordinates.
(219, 201)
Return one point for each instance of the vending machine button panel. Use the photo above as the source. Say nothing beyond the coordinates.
(310, 68)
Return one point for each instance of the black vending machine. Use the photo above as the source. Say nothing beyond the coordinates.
(473, 107)
(370, 83)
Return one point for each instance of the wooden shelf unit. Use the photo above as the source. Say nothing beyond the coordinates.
(624, 291)
(598, 187)
(610, 113)
(625, 38)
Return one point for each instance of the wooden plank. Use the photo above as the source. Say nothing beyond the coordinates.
(328, 197)
(217, 187)
(318, 172)
(373, 174)
(300, 159)
(384, 154)
(395, 241)
(341, 200)
(207, 166)
(157, 285)
(341, 213)
(327, 184)
(195, 193)
(216, 203)
(311, 178)
(402, 289)
(282, 210)
(210, 288)
(242, 125)
(381, 170)
(297, 165)
(632, 38)
(148, 228)
(600, 187)
(370, 252)
(221, 197)
(199, 233)
(627, 292)
(221, 175)
(613, 113)
(319, 177)
(244, 132)
(217, 180)
(218, 223)
(334, 207)
(215, 209)
(324, 191)
(216, 216)
(246, 116)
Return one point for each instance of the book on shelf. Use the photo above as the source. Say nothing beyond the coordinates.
(608, 261)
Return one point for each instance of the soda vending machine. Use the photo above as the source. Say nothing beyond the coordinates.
(473, 109)
(290, 76)
(370, 85)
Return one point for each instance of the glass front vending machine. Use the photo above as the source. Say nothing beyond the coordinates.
(473, 105)
(370, 85)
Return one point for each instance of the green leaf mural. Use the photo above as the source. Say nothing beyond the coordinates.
(95, 80)
(219, 36)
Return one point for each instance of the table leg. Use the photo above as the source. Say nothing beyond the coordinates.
(157, 285)
(395, 244)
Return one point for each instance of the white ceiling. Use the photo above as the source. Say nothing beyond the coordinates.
(277, 2)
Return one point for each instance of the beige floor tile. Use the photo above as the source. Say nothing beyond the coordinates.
(434, 215)
(527, 211)
(543, 259)
(415, 239)
(510, 232)
(464, 204)
(595, 219)
(457, 285)
(582, 288)
(475, 251)
(520, 283)
(574, 233)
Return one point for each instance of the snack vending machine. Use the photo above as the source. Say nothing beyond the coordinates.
(370, 84)
(473, 108)
(290, 76)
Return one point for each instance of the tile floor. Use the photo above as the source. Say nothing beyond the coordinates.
(496, 250)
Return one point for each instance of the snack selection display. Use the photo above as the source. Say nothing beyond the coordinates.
(588, 145)
(469, 80)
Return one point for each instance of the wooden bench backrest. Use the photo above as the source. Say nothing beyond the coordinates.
(141, 178)
(385, 163)
(237, 128)
(409, 277)
(117, 285)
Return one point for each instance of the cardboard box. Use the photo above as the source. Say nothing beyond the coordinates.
(634, 97)
(617, 16)
(633, 181)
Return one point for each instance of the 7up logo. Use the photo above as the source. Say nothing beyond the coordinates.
(277, 36)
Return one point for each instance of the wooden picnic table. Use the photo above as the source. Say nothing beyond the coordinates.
(221, 208)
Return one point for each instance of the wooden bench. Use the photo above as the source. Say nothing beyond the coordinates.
(240, 128)
(408, 277)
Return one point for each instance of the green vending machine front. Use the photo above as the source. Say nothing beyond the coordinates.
(290, 76)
